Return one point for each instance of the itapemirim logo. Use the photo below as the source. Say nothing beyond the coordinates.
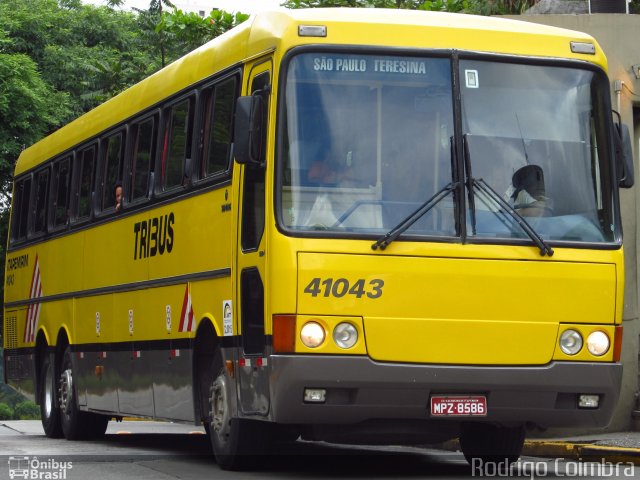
(36, 469)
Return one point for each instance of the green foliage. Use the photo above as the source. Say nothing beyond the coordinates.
(446, 5)
(26, 410)
(184, 32)
(29, 107)
(481, 7)
(6, 412)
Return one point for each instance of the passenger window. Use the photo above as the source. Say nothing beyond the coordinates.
(112, 169)
(40, 205)
(62, 176)
(177, 144)
(218, 127)
(20, 212)
(142, 163)
(87, 168)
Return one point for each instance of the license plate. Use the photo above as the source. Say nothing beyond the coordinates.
(458, 406)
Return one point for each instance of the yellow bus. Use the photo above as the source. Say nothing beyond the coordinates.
(359, 226)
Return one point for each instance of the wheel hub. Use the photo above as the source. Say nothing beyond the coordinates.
(219, 408)
(65, 390)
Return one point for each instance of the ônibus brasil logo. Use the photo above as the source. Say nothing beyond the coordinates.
(36, 469)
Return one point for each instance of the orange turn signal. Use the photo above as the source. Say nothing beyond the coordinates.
(617, 343)
(284, 333)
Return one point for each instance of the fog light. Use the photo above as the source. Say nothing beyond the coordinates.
(312, 334)
(588, 401)
(314, 395)
(598, 343)
(570, 342)
(345, 335)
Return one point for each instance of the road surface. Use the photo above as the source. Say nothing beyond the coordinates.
(168, 451)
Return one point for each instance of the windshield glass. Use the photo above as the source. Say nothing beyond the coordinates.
(367, 142)
(367, 148)
(534, 135)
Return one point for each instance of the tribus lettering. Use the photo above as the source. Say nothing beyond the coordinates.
(153, 237)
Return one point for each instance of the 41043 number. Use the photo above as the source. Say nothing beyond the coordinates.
(339, 287)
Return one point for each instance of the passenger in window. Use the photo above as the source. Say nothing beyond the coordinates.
(117, 193)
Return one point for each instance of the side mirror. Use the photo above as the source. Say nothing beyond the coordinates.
(247, 134)
(624, 157)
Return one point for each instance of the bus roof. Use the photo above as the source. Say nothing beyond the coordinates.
(278, 31)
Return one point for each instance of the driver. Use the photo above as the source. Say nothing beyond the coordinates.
(527, 192)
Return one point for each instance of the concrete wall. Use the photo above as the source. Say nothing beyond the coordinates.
(619, 37)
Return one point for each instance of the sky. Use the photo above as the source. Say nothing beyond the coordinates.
(244, 6)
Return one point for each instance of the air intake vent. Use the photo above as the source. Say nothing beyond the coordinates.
(608, 6)
(11, 331)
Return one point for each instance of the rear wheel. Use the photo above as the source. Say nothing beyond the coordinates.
(76, 424)
(491, 443)
(49, 411)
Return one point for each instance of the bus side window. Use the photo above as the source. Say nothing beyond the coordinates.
(40, 203)
(86, 165)
(176, 144)
(142, 159)
(61, 199)
(112, 173)
(218, 127)
(20, 211)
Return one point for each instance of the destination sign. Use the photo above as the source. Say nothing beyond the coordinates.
(363, 64)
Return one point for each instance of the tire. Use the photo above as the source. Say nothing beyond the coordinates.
(49, 411)
(76, 425)
(491, 443)
(237, 443)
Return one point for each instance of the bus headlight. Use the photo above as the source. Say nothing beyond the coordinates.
(312, 334)
(345, 335)
(570, 342)
(598, 343)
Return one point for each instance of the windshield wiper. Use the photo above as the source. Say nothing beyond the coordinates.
(412, 218)
(485, 188)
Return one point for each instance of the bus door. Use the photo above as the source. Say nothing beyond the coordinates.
(253, 381)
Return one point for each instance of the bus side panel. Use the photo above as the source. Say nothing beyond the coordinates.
(96, 378)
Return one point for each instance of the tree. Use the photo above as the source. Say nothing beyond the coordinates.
(90, 52)
(6, 413)
(149, 19)
(186, 31)
(29, 108)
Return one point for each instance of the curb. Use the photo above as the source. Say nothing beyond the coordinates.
(585, 451)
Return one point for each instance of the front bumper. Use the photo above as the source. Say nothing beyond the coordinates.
(359, 389)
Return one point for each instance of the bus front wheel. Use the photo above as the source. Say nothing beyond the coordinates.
(76, 424)
(236, 442)
(485, 442)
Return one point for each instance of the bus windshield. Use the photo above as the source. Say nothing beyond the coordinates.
(368, 139)
(535, 135)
